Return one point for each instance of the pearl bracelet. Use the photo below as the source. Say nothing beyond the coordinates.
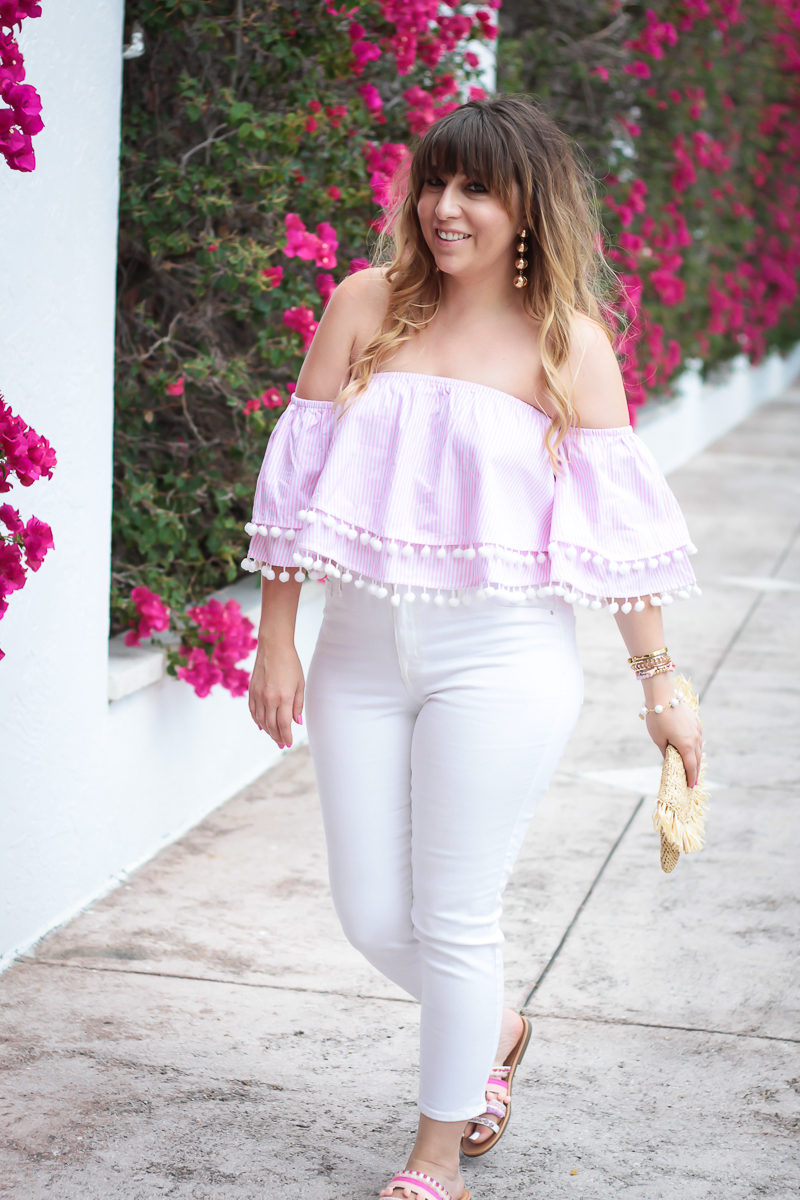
(673, 702)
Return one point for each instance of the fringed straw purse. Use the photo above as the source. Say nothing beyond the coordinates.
(680, 812)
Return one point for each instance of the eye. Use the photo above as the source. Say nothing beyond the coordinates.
(477, 188)
(433, 181)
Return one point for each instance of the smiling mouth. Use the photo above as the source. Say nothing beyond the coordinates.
(449, 236)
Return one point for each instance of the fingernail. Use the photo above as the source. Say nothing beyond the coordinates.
(300, 719)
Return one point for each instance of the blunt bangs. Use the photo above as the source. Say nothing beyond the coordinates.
(466, 141)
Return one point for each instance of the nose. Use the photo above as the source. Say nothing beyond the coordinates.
(447, 205)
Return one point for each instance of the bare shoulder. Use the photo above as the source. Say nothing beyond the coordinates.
(598, 392)
(365, 295)
(353, 313)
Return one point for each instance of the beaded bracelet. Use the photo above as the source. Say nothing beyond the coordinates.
(663, 669)
(673, 702)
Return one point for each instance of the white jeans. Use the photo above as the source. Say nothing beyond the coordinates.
(434, 732)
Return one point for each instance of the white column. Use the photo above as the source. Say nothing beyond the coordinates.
(57, 372)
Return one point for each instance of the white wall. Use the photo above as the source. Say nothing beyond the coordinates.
(56, 370)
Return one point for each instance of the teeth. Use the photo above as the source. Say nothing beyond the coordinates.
(451, 237)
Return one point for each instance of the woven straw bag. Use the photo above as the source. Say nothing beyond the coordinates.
(680, 812)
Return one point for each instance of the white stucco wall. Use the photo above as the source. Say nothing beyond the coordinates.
(56, 371)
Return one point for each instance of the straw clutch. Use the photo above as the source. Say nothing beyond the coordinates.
(680, 812)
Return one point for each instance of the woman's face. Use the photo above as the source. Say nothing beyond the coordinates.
(466, 228)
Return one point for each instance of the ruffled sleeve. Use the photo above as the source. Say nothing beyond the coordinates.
(617, 530)
(293, 461)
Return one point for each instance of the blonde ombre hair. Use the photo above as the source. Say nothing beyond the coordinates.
(501, 142)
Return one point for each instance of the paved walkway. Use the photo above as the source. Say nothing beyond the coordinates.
(205, 1032)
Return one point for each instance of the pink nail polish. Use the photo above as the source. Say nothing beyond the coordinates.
(300, 719)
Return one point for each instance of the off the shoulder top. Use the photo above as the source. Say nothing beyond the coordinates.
(438, 489)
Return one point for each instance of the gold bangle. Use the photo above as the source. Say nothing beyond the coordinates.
(650, 654)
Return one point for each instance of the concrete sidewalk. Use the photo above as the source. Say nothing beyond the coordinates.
(205, 1032)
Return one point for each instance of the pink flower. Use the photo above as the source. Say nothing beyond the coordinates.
(153, 615)
(326, 285)
(601, 73)
(471, 59)
(38, 539)
(271, 398)
(23, 452)
(176, 388)
(371, 97)
(11, 519)
(358, 264)
(334, 193)
(363, 52)
(299, 242)
(639, 69)
(12, 572)
(227, 637)
(301, 320)
(274, 275)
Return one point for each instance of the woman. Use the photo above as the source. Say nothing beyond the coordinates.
(457, 462)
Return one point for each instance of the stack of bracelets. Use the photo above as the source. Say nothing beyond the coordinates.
(645, 666)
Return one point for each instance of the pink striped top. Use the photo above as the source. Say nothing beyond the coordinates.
(427, 482)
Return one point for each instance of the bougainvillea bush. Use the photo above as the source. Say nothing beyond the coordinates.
(256, 151)
(25, 456)
(20, 103)
(688, 112)
(259, 143)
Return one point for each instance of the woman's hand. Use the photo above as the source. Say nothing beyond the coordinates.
(277, 691)
(678, 727)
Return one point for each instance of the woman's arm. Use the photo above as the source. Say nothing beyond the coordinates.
(679, 727)
(599, 399)
(277, 685)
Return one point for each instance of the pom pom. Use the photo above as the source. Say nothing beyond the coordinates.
(289, 535)
(613, 607)
(382, 592)
(392, 548)
(438, 599)
(570, 552)
(300, 576)
(284, 576)
(347, 577)
(652, 562)
(263, 531)
(441, 552)
(626, 607)
(408, 551)
(268, 572)
(425, 597)
(484, 551)
(364, 538)
(639, 606)
(457, 552)
(250, 528)
(425, 552)
(469, 552)
(596, 604)
(310, 516)
(376, 543)
(352, 534)
(275, 531)
(394, 599)
(540, 557)
(598, 560)
(585, 556)
(359, 583)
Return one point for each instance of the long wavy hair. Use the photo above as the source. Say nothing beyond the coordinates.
(501, 142)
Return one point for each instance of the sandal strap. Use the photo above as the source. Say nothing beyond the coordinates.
(501, 1069)
(495, 1128)
(498, 1085)
(494, 1110)
(424, 1185)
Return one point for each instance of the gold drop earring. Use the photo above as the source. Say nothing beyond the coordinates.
(520, 280)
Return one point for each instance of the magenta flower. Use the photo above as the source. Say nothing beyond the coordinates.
(38, 539)
(176, 388)
(274, 275)
(153, 616)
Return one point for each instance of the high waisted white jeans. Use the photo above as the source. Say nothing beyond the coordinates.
(434, 732)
